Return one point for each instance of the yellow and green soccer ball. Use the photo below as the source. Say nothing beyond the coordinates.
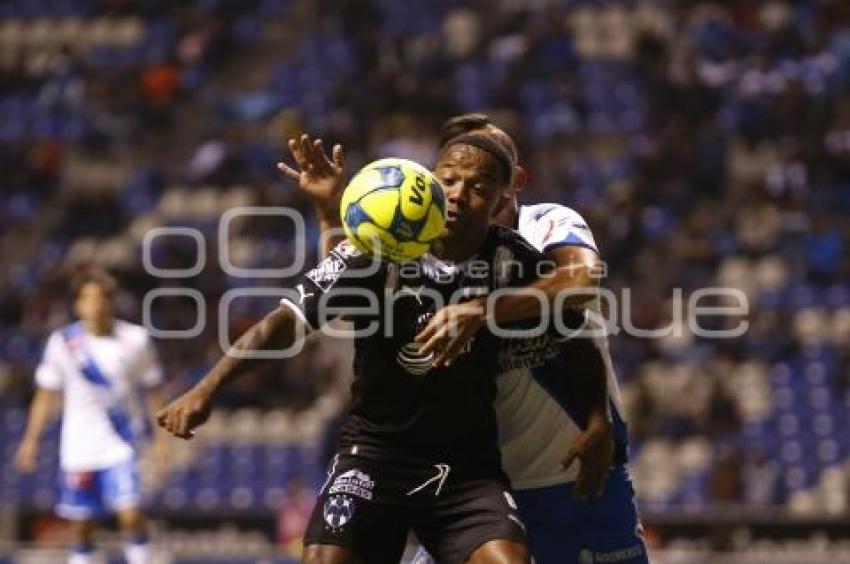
(393, 208)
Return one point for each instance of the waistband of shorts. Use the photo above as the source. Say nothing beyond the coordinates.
(407, 457)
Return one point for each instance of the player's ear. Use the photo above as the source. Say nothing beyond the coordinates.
(520, 178)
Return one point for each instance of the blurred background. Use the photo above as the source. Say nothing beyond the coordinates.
(707, 143)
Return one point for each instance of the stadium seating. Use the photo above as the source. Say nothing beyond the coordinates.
(641, 118)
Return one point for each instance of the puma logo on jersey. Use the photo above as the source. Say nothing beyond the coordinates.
(415, 292)
(303, 294)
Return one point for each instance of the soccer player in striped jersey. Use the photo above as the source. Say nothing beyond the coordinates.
(99, 367)
(579, 506)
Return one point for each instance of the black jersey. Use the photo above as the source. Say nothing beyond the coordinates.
(400, 405)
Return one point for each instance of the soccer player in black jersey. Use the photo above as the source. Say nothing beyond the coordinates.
(563, 437)
(419, 450)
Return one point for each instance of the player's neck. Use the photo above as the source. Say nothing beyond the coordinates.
(98, 328)
(508, 216)
(459, 248)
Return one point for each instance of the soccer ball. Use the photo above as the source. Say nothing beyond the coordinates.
(393, 208)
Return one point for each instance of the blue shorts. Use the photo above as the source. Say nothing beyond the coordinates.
(100, 492)
(562, 529)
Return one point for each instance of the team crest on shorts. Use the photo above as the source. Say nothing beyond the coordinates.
(338, 511)
(353, 482)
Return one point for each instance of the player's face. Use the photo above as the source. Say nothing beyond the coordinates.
(474, 185)
(94, 305)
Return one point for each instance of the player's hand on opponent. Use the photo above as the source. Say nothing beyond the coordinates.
(594, 450)
(26, 457)
(184, 414)
(321, 177)
(450, 329)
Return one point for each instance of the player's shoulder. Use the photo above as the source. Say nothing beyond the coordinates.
(550, 225)
(58, 335)
(131, 332)
(501, 236)
(66, 332)
(550, 212)
(345, 262)
(56, 341)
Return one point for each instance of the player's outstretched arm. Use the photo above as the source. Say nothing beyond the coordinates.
(574, 277)
(322, 178)
(41, 410)
(161, 455)
(278, 329)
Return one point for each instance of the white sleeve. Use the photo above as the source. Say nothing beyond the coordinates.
(49, 373)
(150, 371)
(559, 226)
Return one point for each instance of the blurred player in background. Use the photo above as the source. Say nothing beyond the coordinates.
(562, 433)
(100, 366)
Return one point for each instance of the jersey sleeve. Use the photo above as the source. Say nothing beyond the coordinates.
(49, 373)
(346, 282)
(150, 370)
(557, 227)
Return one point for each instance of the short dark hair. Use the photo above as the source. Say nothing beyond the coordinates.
(93, 275)
(488, 145)
(469, 123)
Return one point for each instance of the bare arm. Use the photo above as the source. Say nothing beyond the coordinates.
(156, 401)
(576, 275)
(278, 329)
(41, 411)
(594, 446)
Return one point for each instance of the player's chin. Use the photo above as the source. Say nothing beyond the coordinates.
(448, 230)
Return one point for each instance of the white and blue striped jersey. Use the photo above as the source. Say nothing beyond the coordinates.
(537, 423)
(100, 378)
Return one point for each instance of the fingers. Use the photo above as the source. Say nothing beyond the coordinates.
(452, 348)
(161, 417)
(322, 156)
(287, 170)
(429, 331)
(433, 343)
(338, 157)
(309, 151)
(310, 156)
(571, 457)
(175, 420)
(581, 489)
(295, 148)
(590, 482)
(436, 334)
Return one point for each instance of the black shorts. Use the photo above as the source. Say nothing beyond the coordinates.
(370, 506)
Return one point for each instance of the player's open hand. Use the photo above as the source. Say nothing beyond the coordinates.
(451, 330)
(184, 414)
(321, 177)
(26, 457)
(594, 449)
